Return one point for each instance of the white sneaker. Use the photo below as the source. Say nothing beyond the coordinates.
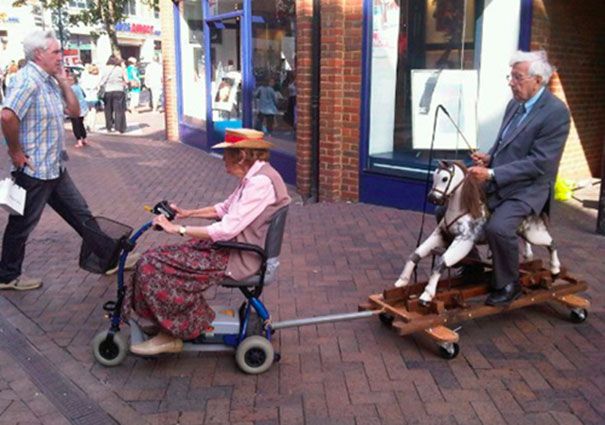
(22, 283)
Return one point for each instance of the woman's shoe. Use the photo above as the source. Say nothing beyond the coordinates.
(161, 343)
(79, 144)
(131, 261)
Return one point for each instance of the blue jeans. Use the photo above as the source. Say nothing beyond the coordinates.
(63, 197)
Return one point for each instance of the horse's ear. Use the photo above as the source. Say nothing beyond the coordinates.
(444, 164)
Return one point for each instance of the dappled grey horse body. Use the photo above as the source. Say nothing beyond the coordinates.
(462, 227)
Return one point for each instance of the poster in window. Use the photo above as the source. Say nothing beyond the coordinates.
(224, 94)
(456, 92)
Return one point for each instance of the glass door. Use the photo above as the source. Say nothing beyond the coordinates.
(225, 69)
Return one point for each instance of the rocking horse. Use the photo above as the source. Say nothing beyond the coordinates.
(462, 227)
(413, 307)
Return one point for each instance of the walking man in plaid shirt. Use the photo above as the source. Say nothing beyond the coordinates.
(32, 122)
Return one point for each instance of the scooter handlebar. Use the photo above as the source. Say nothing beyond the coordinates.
(164, 208)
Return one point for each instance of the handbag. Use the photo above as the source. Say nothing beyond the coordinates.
(12, 197)
(101, 92)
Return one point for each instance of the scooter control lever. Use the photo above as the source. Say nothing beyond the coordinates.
(165, 209)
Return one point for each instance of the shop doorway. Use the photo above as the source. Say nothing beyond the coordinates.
(251, 73)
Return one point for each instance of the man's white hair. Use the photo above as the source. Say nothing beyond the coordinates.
(35, 41)
(538, 63)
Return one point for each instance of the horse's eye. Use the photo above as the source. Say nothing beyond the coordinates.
(443, 179)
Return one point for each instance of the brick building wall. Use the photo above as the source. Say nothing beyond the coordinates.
(169, 68)
(573, 34)
(340, 86)
(304, 30)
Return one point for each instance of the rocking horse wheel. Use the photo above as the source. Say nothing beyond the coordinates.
(386, 319)
(578, 315)
(449, 350)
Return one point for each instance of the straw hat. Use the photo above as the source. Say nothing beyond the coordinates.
(243, 138)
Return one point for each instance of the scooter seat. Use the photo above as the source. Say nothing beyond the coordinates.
(254, 280)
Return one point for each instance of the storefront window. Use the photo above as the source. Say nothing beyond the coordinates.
(410, 36)
(274, 64)
(192, 65)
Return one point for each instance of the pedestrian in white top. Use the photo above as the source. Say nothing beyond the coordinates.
(154, 82)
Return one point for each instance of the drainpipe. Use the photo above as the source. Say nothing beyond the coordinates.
(315, 92)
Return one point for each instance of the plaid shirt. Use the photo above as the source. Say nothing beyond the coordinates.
(36, 99)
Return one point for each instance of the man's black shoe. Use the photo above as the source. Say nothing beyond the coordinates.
(504, 296)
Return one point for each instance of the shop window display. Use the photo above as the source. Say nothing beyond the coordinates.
(226, 77)
(192, 66)
(218, 7)
(412, 35)
(274, 64)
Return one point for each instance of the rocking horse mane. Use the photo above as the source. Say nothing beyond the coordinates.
(472, 196)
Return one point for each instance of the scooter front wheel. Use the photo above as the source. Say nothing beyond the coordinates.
(109, 350)
(254, 355)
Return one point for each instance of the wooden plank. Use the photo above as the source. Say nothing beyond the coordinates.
(478, 309)
(399, 312)
(534, 296)
(573, 301)
(442, 334)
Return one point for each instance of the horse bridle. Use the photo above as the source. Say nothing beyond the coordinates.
(447, 192)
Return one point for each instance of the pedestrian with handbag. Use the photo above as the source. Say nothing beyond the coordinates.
(114, 83)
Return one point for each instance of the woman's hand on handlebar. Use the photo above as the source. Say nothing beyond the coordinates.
(168, 227)
(180, 213)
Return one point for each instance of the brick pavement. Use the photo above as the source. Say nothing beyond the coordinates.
(529, 366)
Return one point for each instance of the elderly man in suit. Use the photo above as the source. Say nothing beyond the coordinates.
(521, 167)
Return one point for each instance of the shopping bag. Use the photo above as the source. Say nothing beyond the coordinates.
(12, 197)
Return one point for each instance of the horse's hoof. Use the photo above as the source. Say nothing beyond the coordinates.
(401, 283)
(425, 299)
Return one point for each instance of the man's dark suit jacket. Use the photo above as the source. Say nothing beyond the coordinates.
(525, 162)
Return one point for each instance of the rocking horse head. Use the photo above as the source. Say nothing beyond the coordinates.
(451, 180)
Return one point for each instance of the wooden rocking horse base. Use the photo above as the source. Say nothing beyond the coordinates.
(458, 300)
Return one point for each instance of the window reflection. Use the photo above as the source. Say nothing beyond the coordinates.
(274, 64)
(408, 35)
(218, 7)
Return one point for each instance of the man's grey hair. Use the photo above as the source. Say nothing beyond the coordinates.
(35, 41)
(538, 63)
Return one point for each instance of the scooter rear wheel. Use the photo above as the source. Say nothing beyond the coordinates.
(109, 351)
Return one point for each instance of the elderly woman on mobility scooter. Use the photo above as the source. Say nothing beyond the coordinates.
(168, 283)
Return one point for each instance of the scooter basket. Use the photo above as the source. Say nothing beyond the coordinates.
(102, 241)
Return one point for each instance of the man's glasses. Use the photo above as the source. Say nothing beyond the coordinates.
(518, 78)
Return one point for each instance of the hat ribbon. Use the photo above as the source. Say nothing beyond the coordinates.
(233, 138)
